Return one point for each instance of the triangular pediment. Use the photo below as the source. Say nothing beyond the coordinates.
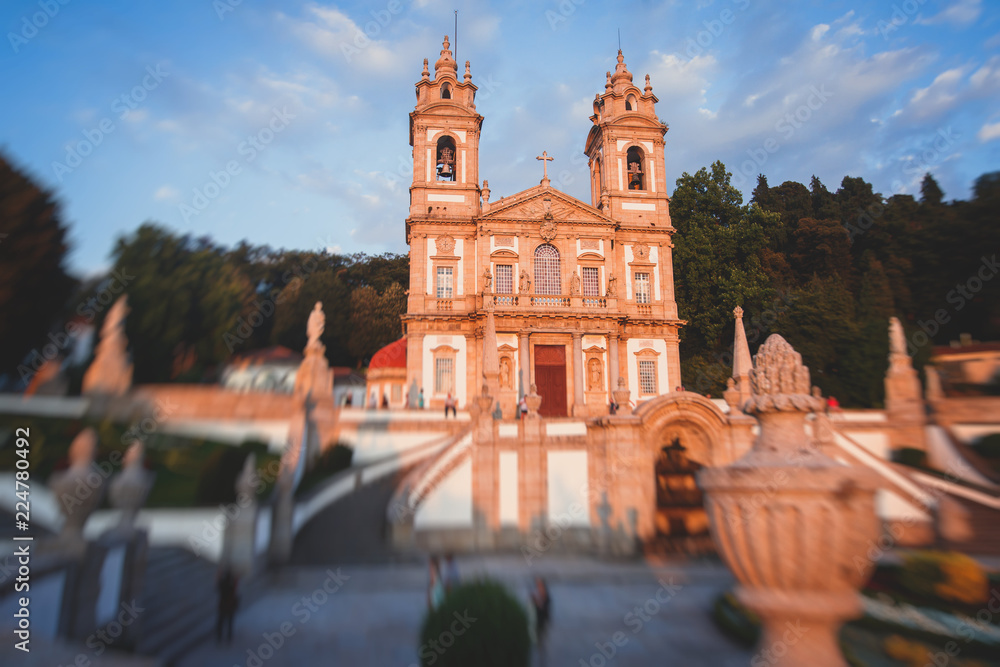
(537, 202)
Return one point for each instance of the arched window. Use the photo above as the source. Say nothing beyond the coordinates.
(547, 273)
(630, 103)
(635, 161)
(446, 159)
(445, 91)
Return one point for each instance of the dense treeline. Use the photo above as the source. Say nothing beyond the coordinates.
(195, 304)
(827, 269)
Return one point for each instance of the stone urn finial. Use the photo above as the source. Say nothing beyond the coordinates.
(622, 395)
(819, 516)
(533, 400)
(130, 488)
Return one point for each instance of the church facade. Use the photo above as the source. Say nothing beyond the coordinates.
(582, 294)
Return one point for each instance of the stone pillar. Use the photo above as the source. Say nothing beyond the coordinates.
(524, 356)
(485, 471)
(820, 517)
(579, 409)
(613, 360)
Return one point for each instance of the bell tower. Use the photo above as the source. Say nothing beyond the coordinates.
(444, 133)
(625, 147)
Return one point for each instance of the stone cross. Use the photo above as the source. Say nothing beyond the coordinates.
(544, 157)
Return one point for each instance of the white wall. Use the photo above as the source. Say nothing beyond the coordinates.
(449, 505)
(666, 380)
(568, 488)
(433, 341)
(508, 489)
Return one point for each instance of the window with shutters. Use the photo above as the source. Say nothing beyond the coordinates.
(591, 281)
(547, 271)
(642, 288)
(647, 376)
(445, 282)
(504, 279)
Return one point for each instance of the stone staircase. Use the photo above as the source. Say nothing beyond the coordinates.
(180, 602)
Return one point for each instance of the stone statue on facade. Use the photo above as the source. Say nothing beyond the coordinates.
(316, 325)
(524, 285)
(612, 286)
(487, 281)
(574, 285)
(314, 375)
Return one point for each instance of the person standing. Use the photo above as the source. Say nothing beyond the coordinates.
(542, 604)
(420, 401)
(435, 587)
(522, 407)
(226, 584)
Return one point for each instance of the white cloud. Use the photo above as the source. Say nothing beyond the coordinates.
(989, 132)
(167, 193)
(960, 13)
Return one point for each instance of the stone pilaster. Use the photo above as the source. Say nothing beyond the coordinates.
(579, 409)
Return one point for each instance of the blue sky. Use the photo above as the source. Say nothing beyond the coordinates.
(167, 95)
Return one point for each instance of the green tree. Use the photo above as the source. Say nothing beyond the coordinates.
(34, 284)
(375, 319)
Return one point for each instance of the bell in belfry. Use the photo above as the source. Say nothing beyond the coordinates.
(446, 162)
(635, 173)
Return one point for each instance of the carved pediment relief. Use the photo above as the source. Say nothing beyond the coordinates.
(542, 204)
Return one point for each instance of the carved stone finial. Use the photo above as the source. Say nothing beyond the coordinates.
(649, 88)
(779, 380)
(607, 84)
(426, 73)
(468, 71)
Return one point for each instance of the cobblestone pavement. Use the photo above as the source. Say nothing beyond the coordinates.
(373, 615)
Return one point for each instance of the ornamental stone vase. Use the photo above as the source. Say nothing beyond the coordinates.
(791, 523)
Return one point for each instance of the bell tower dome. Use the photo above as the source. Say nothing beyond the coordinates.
(625, 147)
(444, 133)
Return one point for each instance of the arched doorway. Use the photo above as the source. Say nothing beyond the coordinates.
(680, 520)
(684, 432)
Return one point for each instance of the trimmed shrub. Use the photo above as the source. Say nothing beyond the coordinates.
(911, 456)
(988, 446)
(945, 575)
(479, 623)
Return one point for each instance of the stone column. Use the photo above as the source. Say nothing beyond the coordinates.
(578, 406)
(524, 356)
(612, 360)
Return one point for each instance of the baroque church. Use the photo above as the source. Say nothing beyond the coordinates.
(581, 295)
